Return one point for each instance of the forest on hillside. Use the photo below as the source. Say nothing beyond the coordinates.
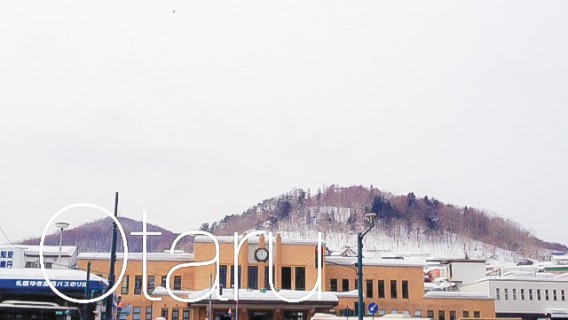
(95, 236)
(337, 208)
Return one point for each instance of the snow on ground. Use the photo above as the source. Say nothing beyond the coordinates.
(377, 244)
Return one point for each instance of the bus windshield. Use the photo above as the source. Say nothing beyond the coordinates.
(35, 312)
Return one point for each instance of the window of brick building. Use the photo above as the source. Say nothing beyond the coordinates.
(136, 313)
(252, 277)
(177, 283)
(233, 277)
(333, 285)
(300, 278)
(345, 285)
(404, 289)
(369, 288)
(394, 292)
(137, 284)
(267, 277)
(286, 278)
(149, 313)
(223, 276)
(381, 289)
(125, 284)
(151, 283)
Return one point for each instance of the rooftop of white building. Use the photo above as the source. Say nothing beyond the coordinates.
(527, 276)
(53, 274)
(33, 250)
(456, 295)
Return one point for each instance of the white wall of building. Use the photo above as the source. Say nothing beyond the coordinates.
(466, 272)
(521, 295)
(24, 256)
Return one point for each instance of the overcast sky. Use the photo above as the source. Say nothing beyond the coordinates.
(197, 109)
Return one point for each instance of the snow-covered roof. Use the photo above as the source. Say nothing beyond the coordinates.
(137, 256)
(526, 276)
(438, 286)
(456, 295)
(350, 261)
(246, 294)
(448, 261)
(53, 274)
(346, 294)
(347, 252)
(161, 291)
(33, 251)
(259, 297)
(560, 258)
(255, 240)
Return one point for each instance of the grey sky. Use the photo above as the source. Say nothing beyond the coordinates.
(207, 110)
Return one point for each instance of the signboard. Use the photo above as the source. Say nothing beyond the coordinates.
(38, 286)
(11, 257)
(373, 308)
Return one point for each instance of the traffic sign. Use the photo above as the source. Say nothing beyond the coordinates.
(373, 308)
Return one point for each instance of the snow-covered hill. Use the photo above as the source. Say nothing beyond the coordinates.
(407, 225)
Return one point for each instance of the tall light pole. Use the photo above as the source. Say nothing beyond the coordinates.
(61, 226)
(109, 300)
(371, 219)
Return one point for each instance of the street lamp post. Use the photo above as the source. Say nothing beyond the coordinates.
(61, 226)
(371, 219)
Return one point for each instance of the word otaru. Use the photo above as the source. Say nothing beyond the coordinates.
(144, 233)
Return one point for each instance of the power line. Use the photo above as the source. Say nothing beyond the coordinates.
(5, 235)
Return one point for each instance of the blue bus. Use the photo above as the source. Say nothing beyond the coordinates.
(22, 288)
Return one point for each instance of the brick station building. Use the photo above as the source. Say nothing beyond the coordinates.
(396, 286)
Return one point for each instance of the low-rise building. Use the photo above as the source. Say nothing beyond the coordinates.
(27, 256)
(525, 295)
(397, 286)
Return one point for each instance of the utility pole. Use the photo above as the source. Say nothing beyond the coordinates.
(209, 309)
(360, 275)
(371, 219)
(87, 307)
(110, 301)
